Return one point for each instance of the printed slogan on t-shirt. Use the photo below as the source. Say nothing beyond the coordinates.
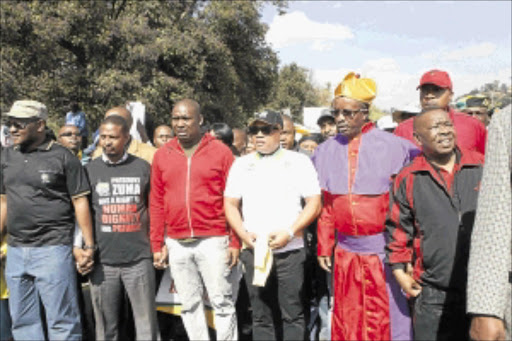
(118, 201)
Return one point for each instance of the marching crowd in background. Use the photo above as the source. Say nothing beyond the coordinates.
(391, 231)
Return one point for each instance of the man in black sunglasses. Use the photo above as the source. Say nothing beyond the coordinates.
(271, 183)
(354, 170)
(69, 137)
(43, 189)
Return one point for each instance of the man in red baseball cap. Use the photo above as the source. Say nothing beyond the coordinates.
(436, 91)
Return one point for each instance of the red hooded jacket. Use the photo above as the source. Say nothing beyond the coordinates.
(187, 193)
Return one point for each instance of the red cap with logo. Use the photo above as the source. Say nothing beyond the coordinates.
(436, 77)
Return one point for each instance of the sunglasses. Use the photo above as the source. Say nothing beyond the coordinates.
(346, 112)
(19, 124)
(266, 130)
(69, 134)
(476, 113)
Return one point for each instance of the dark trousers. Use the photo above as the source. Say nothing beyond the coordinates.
(440, 315)
(86, 310)
(279, 306)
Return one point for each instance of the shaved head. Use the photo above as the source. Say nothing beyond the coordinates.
(69, 137)
(186, 120)
(161, 135)
(418, 118)
(123, 112)
(286, 118)
(287, 133)
(435, 134)
(189, 105)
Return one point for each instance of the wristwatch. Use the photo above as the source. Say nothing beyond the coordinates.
(90, 247)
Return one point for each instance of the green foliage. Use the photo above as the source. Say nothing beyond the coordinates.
(294, 90)
(104, 53)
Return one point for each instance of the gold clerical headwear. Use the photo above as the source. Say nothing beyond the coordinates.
(360, 89)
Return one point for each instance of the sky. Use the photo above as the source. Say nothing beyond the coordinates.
(395, 42)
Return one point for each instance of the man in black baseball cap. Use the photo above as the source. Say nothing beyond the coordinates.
(269, 124)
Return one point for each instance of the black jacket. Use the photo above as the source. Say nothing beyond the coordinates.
(430, 222)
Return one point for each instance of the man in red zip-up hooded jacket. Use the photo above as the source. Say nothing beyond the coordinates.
(188, 176)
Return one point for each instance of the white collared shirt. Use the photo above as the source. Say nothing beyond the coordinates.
(108, 162)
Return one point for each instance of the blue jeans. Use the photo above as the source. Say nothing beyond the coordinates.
(45, 273)
(5, 321)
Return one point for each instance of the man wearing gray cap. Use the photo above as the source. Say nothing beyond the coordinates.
(43, 188)
(327, 124)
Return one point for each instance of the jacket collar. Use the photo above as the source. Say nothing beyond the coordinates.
(175, 145)
(43, 147)
(463, 159)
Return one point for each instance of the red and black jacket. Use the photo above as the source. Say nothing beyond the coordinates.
(431, 218)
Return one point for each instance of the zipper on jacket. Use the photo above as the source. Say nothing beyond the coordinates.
(187, 197)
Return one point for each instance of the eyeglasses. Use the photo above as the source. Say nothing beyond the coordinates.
(346, 112)
(69, 134)
(19, 124)
(266, 130)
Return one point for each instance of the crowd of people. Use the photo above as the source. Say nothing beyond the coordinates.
(355, 233)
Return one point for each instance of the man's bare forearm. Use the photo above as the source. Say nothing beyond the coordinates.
(83, 217)
(233, 216)
(3, 213)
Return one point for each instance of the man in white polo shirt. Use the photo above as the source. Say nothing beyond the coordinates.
(271, 183)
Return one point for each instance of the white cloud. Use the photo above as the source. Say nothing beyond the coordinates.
(481, 50)
(474, 51)
(465, 82)
(322, 45)
(381, 65)
(296, 28)
(394, 88)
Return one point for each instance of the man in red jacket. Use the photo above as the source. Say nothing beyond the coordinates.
(188, 177)
(436, 90)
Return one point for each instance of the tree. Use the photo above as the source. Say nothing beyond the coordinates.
(104, 53)
(325, 95)
(294, 90)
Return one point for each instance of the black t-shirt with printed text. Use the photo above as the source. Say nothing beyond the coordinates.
(39, 186)
(119, 199)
